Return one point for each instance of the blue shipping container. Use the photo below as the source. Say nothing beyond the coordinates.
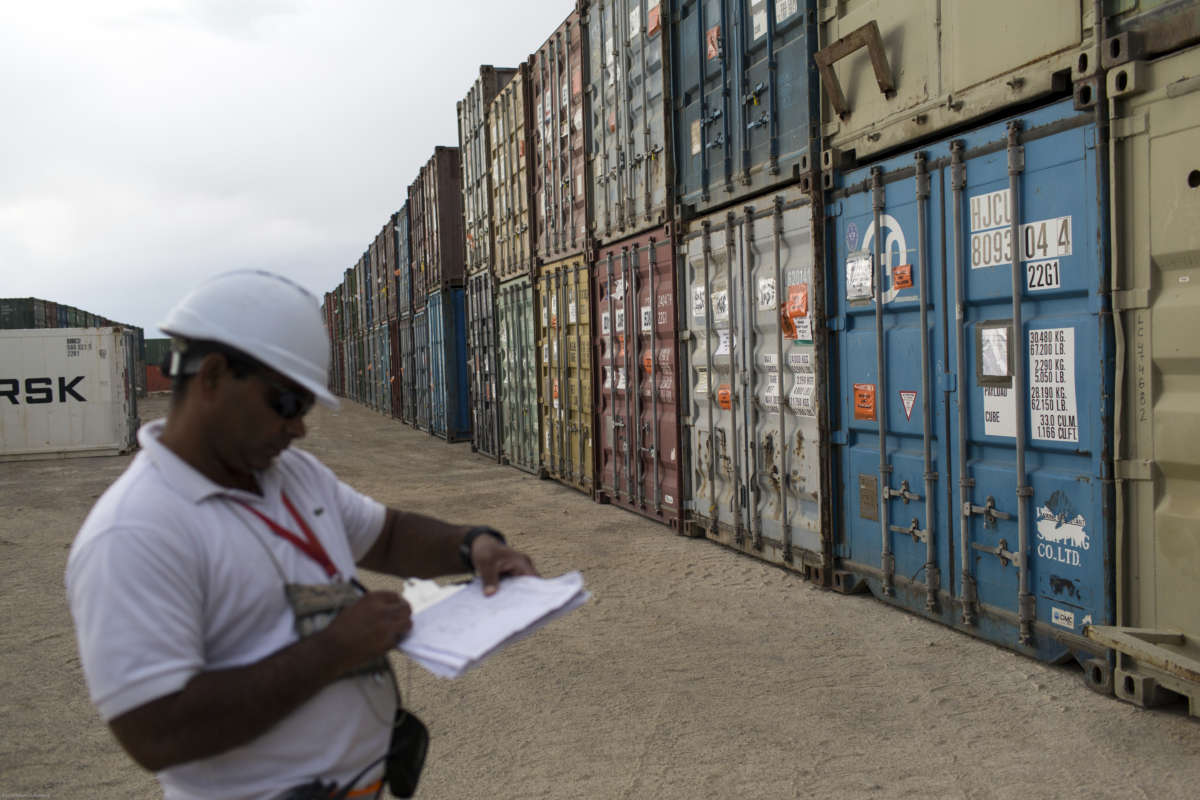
(403, 277)
(450, 406)
(422, 384)
(745, 93)
(991, 506)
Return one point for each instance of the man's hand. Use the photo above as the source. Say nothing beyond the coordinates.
(370, 628)
(494, 560)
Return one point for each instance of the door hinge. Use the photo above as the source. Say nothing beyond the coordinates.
(949, 382)
(1130, 299)
(1134, 469)
(837, 437)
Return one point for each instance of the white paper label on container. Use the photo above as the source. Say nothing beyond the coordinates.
(802, 397)
(999, 412)
(760, 23)
(1042, 275)
(804, 329)
(770, 362)
(860, 279)
(1061, 618)
(784, 9)
(620, 320)
(635, 20)
(701, 386)
(605, 323)
(1052, 407)
(695, 137)
(647, 320)
(766, 294)
(994, 352)
(800, 362)
(723, 346)
(545, 354)
(698, 302)
(571, 313)
(770, 397)
(620, 379)
(545, 316)
(720, 306)
(610, 56)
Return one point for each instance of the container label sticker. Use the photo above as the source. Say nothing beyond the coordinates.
(770, 362)
(556, 392)
(798, 300)
(1053, 412)
(902, 277)
(618, 287)
(1064, 619)
(766, 294)
(1044, 239)
(804, 330)
(571, 313)
(698, 302)
(864, 401)
(647, 320)
(908, 399)
(723, 346)
(860, 278)
(999, 412)
(991, 210)
(801, 361)
(701, 386)
(648, 362)
(564, 95)
(621, 320)
(545, 315)
(720, 306)
(1041, 275)
(545, 353)
(758, 15)
(554, 311)
(784, 9)
(695, 138)
(803, 394)
(994, 352)
(620, 379)
(725, 396)
(610, 55)
(605, 323)
(713, 41)
(771, 396)
(635, 20)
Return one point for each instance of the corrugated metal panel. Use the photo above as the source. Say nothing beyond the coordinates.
(417, 232)
(638, 448)
(71, 392)
(560, 107)
(512, 178)
(408, 372)
(516, 314)
(755, 381)
(629, 126)
(422, 382)
(976, 459)
(451, 408)
(1156, 294)
(395, 370)
(16, 313)
(481, 357)
(746, 98)
(565, 384)
(941, 64)
(441, 250)
(475, 149)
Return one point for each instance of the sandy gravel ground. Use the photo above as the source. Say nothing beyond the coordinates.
(695, 672)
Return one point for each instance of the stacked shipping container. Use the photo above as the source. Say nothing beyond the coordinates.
(882, 236)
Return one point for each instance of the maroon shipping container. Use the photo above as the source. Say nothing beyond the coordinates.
(475, 147)
(395, 369)
(637, 447)
(416, 233)
(438, 252)
(559, 147)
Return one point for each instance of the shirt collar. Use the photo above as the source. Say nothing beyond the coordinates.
(187, 480)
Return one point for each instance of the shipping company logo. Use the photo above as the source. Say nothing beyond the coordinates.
(1061, 531)
(40, 390)
(894, 252)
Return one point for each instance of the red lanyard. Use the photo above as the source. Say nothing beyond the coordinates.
(310, 545)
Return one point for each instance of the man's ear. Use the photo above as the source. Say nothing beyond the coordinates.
(213, 369)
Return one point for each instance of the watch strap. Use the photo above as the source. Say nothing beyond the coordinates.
(464, 547)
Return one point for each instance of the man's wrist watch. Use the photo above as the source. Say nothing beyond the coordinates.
(464, 547)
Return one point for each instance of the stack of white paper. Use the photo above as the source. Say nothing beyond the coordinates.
(463, 628)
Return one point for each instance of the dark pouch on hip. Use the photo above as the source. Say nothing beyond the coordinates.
(406, 754)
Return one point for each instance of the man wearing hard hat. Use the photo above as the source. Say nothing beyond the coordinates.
(223, 635)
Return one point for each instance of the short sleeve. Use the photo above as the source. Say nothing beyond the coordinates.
(363, 518)
(138, 609)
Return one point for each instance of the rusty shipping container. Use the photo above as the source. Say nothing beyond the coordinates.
(440, 184)
(754, 374)
(481, 364)
(418, 231)
(408, 373)
(516, 322)
(395, 370)
(629, 126)
(512, 179)
(565, 384)
(475, 150)
(387, 271)
(402, 277)
(422, 383)
(559, 143)
(638, 447)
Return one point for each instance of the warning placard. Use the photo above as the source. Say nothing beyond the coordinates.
(864, 401)
(908, 400)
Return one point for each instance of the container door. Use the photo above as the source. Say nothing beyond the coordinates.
(481, 355)
(437, 363)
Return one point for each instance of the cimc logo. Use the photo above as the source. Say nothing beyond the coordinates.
(893, 251)
(40, 390)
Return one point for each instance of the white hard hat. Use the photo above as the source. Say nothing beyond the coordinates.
(267, 317)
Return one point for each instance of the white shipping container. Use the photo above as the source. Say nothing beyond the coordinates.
(67, 392)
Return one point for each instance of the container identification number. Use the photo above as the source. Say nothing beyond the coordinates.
(1044, 239)
(1042, 275)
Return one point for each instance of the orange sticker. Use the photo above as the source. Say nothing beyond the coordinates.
(612, 122)
(648, 361)
(864, 401)
(789, 327)
(902, 277)
(798, 300)
(714, 42)
(556, 390)
(653, 21)
(725, 396)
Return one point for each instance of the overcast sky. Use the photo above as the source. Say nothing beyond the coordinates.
(148, 144)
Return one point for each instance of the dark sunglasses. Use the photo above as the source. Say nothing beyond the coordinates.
(287, 402)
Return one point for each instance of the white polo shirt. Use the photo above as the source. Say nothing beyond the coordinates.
(169, 577)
